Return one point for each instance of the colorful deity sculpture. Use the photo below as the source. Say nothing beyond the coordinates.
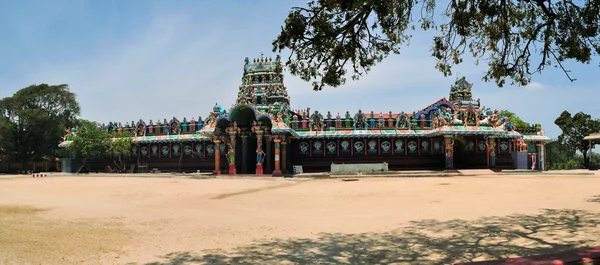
(295, 122)
(359, 120)
(348, 120)
(338, 120)
(260, 156)
(372, 120)
(184, 125)
(150, 127)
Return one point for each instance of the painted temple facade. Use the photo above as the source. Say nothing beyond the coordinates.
(261, 134)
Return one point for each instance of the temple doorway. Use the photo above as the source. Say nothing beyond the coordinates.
(247, 163)
(460, 161)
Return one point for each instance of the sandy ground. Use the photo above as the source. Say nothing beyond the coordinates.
(116, 220)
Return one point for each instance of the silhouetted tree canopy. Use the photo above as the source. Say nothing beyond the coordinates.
(516, 38)
(34, 119)
(574, 129)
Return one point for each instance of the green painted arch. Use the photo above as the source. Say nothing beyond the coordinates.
(243, 115)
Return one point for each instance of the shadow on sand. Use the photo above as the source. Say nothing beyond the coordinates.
(421, 242)
(595, 199)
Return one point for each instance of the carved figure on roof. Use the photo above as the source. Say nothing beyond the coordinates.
(403, 121)
(218, 109)
(295, 121)
(435, 122)
(338, 120)
(110, 128)
(119, 127)
(141, 128)
(423, 121)
(506, 124)
(184, 125)
(359, 120)
(372, 120)
(347, 119)
(381, 121)
(200, 123)
(444, 115)
(126, 127)
(316, 121)
(210, 119)
(174, 124)
(470, 116)
(456, 119)
(67, 136)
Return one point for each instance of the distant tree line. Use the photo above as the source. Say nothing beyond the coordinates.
(36, 119)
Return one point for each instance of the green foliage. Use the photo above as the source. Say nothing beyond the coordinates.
(514, 119)
(120, 148)
(89, 143)
(559, 157)
(328, 35)
(574, 129)
(34, 119)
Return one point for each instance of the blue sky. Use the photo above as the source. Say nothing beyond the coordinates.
(135, 59)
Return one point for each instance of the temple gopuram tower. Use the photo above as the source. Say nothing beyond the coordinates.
(461, 91)
(262, 86)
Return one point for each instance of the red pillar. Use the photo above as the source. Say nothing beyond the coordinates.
(277, 171)
(217, 170)
(283, 156)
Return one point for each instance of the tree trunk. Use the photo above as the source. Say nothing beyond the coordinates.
(586, 162)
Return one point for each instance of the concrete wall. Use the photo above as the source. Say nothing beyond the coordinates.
(354, 168)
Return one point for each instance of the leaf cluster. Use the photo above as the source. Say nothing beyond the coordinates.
(91, 142)
(574, 128)
(517, 38)
(34, 119)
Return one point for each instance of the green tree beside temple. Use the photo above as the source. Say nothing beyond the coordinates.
(92, 143)
(574, 129)
(33, 121)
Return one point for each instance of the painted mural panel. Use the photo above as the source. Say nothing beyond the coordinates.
(331, 148)
(345, 148)
(412, 146)
(386, 147)
(372, 147)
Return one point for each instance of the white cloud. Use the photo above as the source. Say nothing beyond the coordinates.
(534, 86)
(177, 66)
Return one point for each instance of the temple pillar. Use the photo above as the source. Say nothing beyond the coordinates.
(260, 154)
(449, 142)
(277, 170)
(217, 170)
(284, 156)
(244, 153)
(268, 154)
(542, 157)
(491, 152)
(231, 152)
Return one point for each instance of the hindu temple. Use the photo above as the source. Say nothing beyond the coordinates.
(261, 134)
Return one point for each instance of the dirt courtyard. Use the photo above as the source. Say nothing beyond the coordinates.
(128, 220)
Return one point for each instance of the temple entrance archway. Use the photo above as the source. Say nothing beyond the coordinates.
(253, 131)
